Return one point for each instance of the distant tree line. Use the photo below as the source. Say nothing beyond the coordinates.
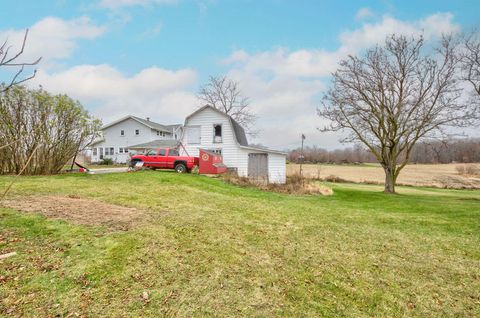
(449, 151)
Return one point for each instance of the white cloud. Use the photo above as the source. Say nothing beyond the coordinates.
(152, 31)
(285, 86)
(364, 13)
(161, 94)
(52, 38)
(114, 4)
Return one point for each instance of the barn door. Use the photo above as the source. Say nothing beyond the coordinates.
(258, 166)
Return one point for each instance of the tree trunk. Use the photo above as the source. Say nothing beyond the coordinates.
(390, 180)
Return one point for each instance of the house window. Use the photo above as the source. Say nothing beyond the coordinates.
(217, 133)
(122, 132)
(101, 152)
(120, 150)
(95, 152)
(158, 133)
(137, 132)
(109, 151)
(125, 150)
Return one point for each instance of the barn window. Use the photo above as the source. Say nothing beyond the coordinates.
(217, 133)
(137, 132)
(122, 132)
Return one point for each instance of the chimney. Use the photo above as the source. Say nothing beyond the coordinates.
(148, 118)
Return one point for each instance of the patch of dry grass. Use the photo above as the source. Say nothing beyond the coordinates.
(80, 211)
(295, 184)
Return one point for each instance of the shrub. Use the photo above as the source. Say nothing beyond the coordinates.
(42, 129)
(295, 184)
(473, 170)
(333, 178)
(106, 161)
(468, 170)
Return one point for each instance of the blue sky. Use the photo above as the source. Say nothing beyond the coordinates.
(149, 57)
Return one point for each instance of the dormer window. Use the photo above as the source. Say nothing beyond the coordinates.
(217, 133)
(122, 132)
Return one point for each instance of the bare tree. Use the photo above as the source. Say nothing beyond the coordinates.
(225, 95)
(470, 59)
(8, 60)
(395, 95)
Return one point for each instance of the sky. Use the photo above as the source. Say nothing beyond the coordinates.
(149, 58)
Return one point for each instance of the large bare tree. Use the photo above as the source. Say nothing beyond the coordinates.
(470, 60)
(11, 60)
(225, 95)
(395, 95)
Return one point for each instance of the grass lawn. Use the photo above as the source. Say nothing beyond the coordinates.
(213, 249)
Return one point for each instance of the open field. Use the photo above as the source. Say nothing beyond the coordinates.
(439, 175)
(195, 246)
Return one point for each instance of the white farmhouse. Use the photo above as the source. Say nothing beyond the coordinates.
(130, 132)
(210, 129)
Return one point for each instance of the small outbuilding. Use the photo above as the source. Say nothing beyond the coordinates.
(216, 132)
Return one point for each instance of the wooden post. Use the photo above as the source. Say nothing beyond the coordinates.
(301, 155)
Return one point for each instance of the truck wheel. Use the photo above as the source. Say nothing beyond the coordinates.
(180, 168)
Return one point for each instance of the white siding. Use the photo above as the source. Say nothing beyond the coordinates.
(277, 167)
(234, 156)
(205, 120)
(112, 138)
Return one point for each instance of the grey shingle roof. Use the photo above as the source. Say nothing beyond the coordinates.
(239, 133)
(148, 123)
(159, 143)
(153, 125)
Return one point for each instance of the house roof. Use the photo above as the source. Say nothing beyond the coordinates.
(159, 143)
(238, 130)
(148, 123)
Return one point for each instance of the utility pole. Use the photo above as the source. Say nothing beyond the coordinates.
(302, 157)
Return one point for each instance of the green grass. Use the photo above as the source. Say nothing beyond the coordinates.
(214, 249)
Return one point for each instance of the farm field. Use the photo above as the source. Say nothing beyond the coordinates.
(434, 175)
(156, 243)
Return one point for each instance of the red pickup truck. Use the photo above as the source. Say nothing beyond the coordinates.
(165, 158)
